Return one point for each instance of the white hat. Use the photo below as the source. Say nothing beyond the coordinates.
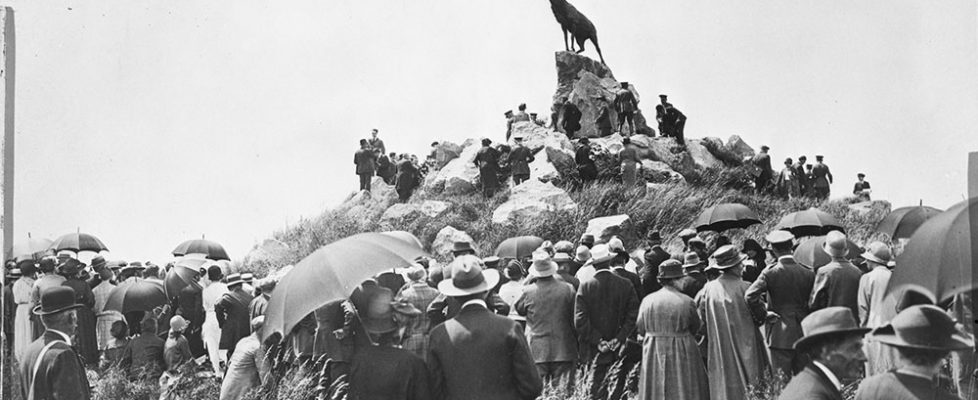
(468, 277)
(542, 266)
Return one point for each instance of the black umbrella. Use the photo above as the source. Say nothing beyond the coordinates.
(77, 242)
(181, 275)
(903, 222)
(811, 254)
(726, 216)
(136, 294)
(810, 222)
(210, 249)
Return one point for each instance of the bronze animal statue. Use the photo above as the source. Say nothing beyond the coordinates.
(580, 28)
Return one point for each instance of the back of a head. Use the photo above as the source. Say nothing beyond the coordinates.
(363, 142)
(486, 142)
(148, 326)
(514, 271)
(215, 273)
(119, 330)
(522, 107)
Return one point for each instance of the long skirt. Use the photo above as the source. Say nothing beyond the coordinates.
(672, 368)
(85, 340)
(23, 329)
(212, 341)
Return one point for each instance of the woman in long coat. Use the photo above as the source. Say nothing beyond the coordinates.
(629, 162)
(672, 367)
(85, 339)
(23, 328)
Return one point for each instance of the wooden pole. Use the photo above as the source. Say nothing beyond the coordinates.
(7, 143)
(973, 223)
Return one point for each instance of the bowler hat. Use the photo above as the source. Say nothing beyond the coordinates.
(691, 260)
(47, 264)
(234, 279)
(779, 236)
(462, 247)
(542, 266)
(878, 253)
(836, 244)
(924, 327)
(670, 269)
(468, 277)
(587, 238)
(828, 322)
(725, 257)
(56, 299)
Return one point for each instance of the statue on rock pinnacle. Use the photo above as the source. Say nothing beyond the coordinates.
(580, 28)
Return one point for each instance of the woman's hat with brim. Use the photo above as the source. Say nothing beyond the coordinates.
(836, 244)
(178, 324)
(670, 269)
(829, 322)
(726, 256)
(234, 279)
(582, 254)
(375, 309)
(924, 327)
(56, 299)
(599, 254)
(542, 266)
(469, 276)
(878, 253)
(71, 266)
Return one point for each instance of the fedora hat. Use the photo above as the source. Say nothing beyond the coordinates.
(599, 254)
(71, 266)
(468, 277)
(725, 257)
(582, 254)
(828, 322)
(56, 299)
(462, 247)
(542, 266)
(836, 244)
(98, 262)
(234, 279)
(691, 260)
(564, 246)
(696, 241)
(670, 269)
(924, 327)
(878, 253)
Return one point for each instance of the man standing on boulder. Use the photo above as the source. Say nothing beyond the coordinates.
(625, 105)
(366, 164)
(861, 188)
(376, 143)
(519, 160)
(585, 165)
(762, 161)
(822, 177)
(487, 159)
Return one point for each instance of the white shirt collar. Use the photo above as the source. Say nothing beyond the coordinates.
(63, 335)
(828, 373)
(786, 257)
(598, 271)
(476, 301)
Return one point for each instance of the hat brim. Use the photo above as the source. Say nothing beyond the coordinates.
(37, 310)
(550, 271)
(379, 325)
(490, 279)
(740, 259)
(678, 275)
(833, 253)
(807, 341)
(593, 260)
(875, 260)
(887, 335)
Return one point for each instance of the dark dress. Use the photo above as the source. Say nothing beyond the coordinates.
(407, 180)
(487, 159)
(85, 340)
(387, 373)
(585, 165)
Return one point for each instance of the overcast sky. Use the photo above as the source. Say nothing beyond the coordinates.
(148, 123)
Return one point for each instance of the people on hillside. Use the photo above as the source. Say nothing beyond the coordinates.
(420, 295)
(408, 179)
(487, 160)
(861, 188)
(142, 358)
(376, 143)
(787, 183)
(366, 162)
(654, 256)
(248, 367)
(693, 278)
(212, 293)
(586, 168)
(520, 158)
(762, 166)
(630, 162)
(176, 349)
(625, 105)
(571, 121)
(822, 178)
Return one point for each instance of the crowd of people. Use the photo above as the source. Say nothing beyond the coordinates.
(798, 179)
(403, 171)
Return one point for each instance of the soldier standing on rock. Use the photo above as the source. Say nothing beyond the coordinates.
(487, 159)
(625, 105)
(519, 160)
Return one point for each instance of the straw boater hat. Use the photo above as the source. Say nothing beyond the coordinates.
(599, 254)
(56, 299)
(670, 269)
(14, 273)
(726, 257)
(826, 323)
(542, 266)
(878, 253)
(836, 244)
(924, 327)
(468, 277)
(234, 279)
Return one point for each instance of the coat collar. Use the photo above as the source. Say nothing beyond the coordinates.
(822, 372)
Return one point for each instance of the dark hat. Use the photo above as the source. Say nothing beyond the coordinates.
(98, 263)
(583, 140)
(764, 147)
(587, 238)
(828, 322)
(508, 113)
(725, 257)
(468, 277)
(696, 241)
(491, 261)
(461, 247)
(234, 279)
(691, 259)
(71, 266)
(47, 264)
(663, 95)
(861, 175)
(56, 299)
(924, 327)
(670, 269)
(654, 236)
(819, 157)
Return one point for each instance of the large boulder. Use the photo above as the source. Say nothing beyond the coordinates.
(700, 155)
(553, 151)
(270, 253)
(660, 172)
(665, 150)
(444, 152)
(434, 208)
(405, 211)
(532, 198)
(591, 87)
(458, 176)
(604, 228)
(441, 247)
(740, 149)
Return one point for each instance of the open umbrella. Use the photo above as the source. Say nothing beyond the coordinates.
(136, 295)
(810, 222)
(810, 253)
(904, 221)
(519, 247)
(331, 273)
(939, 260)
(210, 249)
(726, 216)
(405, 236)
(182, 274)
(30, 248)
(77, 242)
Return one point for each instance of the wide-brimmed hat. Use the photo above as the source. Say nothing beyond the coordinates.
(726, 256)
(56, 299)
(670, 269)
(543, 265)
(615, 245)
(878, 253)
(71, 266)
(234, 279)
(115, 265)
(178, 324)
(564, 246)
(924, 327)
(14, 273)
(98, 262)
(828, 322)
(461, 247)
(779, 236)
(248, 277)
(582, 254)
(836, 244)
(469, 276)
(599, 254)
(691, 259)
(47, 264)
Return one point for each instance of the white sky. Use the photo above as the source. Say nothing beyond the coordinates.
(147, 123)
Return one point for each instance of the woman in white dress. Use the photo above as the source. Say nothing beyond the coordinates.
(210, 330)
(23, 329)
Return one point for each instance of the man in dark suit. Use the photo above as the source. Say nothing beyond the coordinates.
(366, 163)
(191, 307)
(654, 256)
(762, 161)
(487, 159)
(479, 355)
(787, 285)
(605, 311)
(233, 314)
(519, 160)
(51, 369)
(834, 342)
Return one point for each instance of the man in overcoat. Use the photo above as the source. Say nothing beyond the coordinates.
(233, 314)
(487, 159)
(833, 341)
(51, 369)
(822, 178)
(366, 162)
(519, 160)
(548, 305)
(836, 283)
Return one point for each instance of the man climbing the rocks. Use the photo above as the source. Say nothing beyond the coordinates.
(822, 178)
(487, 159)
(799, 168)
(366, 164)
(762, 161)
(625, 105)
(509, 123)
(519, 161)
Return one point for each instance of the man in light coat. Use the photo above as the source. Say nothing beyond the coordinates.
(248, 366)
(548, 305)
(875, 310)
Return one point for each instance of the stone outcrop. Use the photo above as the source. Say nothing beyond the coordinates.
(603, 228)
(736, 146)
(590, 86)
(270, 252)
(531, 199)
(458, 176)
(660, 172)
(445, 152)
(402, 211)
(441, 247)
(701, 157)
(552, 150)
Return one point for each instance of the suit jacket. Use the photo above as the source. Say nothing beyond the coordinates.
(384, 372)
(605, 308)
(61, 374)
(444, 308)
(787, 285)
(479, 355)
(836, 284)
(810, 384)
(633, 278)
(258, 306)
(234, 316)
(365, 161)
(653, 257)
(143, 356)
(548, 305)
